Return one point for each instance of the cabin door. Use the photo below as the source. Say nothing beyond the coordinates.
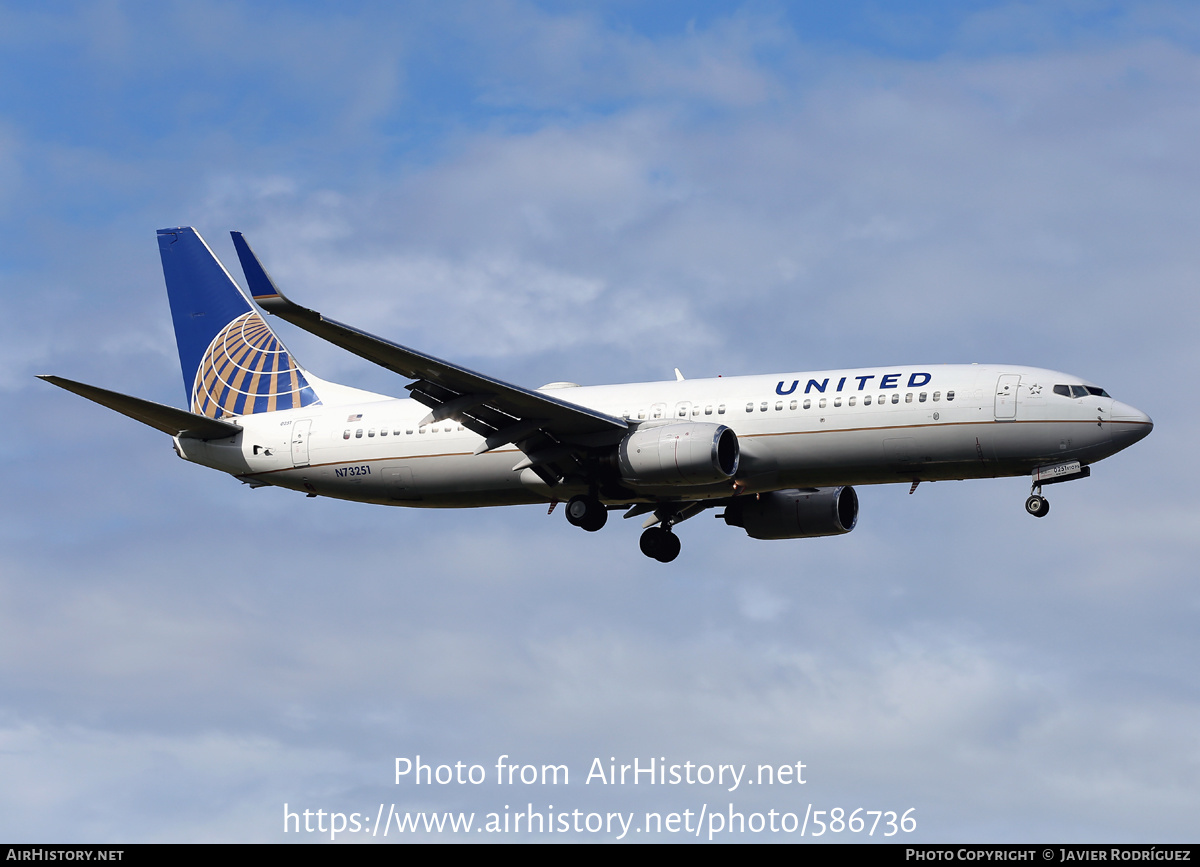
(1006, 396)
(300, 442)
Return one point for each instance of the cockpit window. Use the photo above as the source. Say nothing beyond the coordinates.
(1079, 391)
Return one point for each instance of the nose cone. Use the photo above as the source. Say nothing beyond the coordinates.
(1128, 424)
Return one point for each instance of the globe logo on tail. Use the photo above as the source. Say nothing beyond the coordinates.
(247, 370)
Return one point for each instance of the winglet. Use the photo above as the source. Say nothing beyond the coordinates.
(262, 288)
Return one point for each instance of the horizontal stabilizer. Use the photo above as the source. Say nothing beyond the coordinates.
(168, 419)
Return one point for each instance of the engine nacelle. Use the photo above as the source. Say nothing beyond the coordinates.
(795, 514)
(679, 454)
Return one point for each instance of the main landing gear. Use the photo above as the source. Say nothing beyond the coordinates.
(660, 544)
(587, 511)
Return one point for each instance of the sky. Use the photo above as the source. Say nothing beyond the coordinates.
(599, 192)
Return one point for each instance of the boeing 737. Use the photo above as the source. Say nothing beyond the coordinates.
(778, 454)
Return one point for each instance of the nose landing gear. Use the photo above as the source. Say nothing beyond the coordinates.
(1052, 474)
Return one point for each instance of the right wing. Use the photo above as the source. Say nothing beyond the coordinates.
(554, 434)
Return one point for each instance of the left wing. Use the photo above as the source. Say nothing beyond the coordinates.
(554, 435)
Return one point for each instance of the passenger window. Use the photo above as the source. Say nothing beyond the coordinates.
(408, 432)
(346, 435)
(721, 409)
(792, 405)
(822, 403)
(762, 407)
(658, 413)
(896, 398)
(778, 405)
(750, 407)
(866, 400)
(922, 397)
(421, 430)
(708, 409)
(837, 401)
(908, 397)
(383, 432)
(950, 395)
(807, 403)
(371, 432)
(642, 414)
(696, 410)
(851, 401)
(937, 395)
(358, 434)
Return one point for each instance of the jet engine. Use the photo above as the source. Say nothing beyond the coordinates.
(795, 514)
(679, 454)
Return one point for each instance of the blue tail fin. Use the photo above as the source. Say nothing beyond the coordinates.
(233, 364)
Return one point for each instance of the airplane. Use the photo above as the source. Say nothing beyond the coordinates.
(779, 454)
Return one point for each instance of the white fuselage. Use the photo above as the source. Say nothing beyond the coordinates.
(837, 427)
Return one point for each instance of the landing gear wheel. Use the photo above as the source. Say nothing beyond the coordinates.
(587, 512)
(659, 544)
(1037, 506)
